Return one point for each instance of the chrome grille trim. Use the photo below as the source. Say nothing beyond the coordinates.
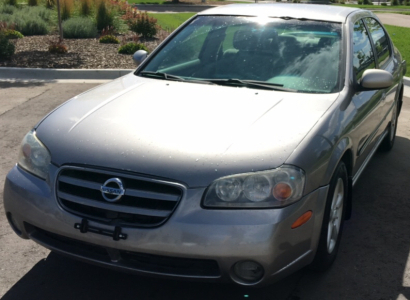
(147, 202)
(113, 207)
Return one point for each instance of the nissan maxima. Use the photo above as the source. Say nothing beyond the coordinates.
(228, 155)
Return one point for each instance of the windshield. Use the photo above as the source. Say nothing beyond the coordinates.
(297, 55)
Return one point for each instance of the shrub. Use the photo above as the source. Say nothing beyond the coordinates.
(131, 48)
(104, 17)
(79, 27)
(7, 9)
(30, 25)
(406, 2)
(144, 25)
(383, 4)
(39, 11)
(394, 2)
(57, 46)
(12, 34)
(6, 47)
(11, 2)
(67, 7)
(342, 2)
(50, 3)
(109, 39)
(32, 2)
(85, 8)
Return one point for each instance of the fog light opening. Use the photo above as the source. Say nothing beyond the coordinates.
(13, 224)
(248, 272)
(302, 219)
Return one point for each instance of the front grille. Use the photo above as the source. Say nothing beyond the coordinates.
(186, 267)
(145, 203)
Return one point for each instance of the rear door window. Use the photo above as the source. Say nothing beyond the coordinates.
(380, 40)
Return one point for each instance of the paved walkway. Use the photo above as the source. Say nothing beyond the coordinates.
(394, 19)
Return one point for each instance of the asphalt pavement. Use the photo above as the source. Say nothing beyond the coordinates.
(373, 261)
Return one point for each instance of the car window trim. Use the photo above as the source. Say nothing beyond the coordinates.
(374, 46)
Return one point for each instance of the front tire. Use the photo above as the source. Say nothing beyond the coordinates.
(333, 220)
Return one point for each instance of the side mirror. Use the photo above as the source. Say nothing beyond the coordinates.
(376, 79)
(139, 56)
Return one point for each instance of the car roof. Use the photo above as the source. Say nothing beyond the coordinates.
(328, 13)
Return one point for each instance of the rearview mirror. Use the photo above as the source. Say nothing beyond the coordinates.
(139, 56)
(376, 79)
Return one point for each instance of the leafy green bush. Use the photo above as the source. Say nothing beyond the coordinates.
(32, 2)
(104, 17)
(7, 9)
(85, 8)
(383, 4)
(30, 25)
(6, 47)
(39, 11)
(394, 2)
(109, 39)
(11, 2)
(50, 4)
(79, 28)
(144, 24)
(29, 20)
(12, 34)
(131, 48)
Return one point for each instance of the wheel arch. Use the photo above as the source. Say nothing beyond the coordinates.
(343, 152)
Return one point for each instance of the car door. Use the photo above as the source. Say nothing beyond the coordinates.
(367, 121)
(383, 51)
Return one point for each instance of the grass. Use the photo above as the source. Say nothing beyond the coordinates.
(170, 22)
(401, 38)
(375, 6)
(393, 12)
(399, 35)
(208, 2)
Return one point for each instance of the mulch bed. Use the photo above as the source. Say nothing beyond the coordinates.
(32, 52)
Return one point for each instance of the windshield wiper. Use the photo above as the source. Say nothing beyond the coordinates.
(167, 76)
(161, 75)
(251, 84)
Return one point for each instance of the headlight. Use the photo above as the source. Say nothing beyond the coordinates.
(274, 188)
(33, 156)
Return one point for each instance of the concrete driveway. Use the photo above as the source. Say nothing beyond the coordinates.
(394, 19)
(373, 261)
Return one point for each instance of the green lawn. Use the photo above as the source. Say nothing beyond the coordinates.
(375, 6)
(401, 38)
(399, 35)
(170, 22)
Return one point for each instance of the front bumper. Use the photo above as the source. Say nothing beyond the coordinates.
(195, 243)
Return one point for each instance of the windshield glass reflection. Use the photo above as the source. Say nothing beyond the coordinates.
(298, 55)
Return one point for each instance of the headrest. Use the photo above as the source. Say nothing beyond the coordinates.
(245, 39)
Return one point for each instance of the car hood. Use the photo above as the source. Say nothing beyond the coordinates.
(185, 132)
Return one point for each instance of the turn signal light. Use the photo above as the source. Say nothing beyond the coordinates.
(282, 191)
(302, 219)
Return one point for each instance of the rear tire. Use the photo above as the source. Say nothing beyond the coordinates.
(333, 220)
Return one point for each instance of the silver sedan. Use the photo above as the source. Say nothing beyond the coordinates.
(230, 154)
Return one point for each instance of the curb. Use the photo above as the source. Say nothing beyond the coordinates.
(83, 74)
(56, 74)
(406, 81)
